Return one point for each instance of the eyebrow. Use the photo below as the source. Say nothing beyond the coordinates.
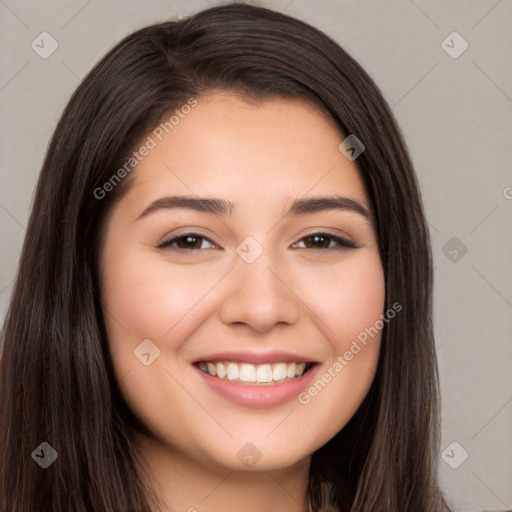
(224, 207)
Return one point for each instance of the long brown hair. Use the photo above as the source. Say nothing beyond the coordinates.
(57, 382)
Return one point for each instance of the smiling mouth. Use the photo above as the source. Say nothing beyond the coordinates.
(255, 374)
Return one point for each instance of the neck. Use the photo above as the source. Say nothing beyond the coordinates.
(184, 484)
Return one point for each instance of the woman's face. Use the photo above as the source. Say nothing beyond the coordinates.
(242, 248)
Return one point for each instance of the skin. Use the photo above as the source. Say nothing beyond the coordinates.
(190, 303)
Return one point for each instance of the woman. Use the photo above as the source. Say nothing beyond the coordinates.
(224, 295)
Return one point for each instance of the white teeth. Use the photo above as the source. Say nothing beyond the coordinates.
(221, 370)
(247, 373)
(212, 369)
(232, 371)
(250, 373)
(290, 370)
(264, 373)
(279, 372)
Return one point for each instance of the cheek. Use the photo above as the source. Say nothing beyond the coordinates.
(133, 304)
(149, 297)
(146, 298)
(348, 297)
(349, 305)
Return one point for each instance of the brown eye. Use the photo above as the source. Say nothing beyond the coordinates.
(189, 241)
(327, 241)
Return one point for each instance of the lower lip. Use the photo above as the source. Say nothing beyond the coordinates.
(259, 397)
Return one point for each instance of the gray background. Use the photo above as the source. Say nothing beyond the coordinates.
(455, 114)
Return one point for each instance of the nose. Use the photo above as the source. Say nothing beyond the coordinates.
(259, 296)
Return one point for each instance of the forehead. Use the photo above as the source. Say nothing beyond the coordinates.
(230, 147)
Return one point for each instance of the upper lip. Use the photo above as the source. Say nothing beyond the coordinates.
(256, 357)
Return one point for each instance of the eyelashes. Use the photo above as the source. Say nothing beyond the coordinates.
(189, 239)
(320, 241)
(320, 237)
